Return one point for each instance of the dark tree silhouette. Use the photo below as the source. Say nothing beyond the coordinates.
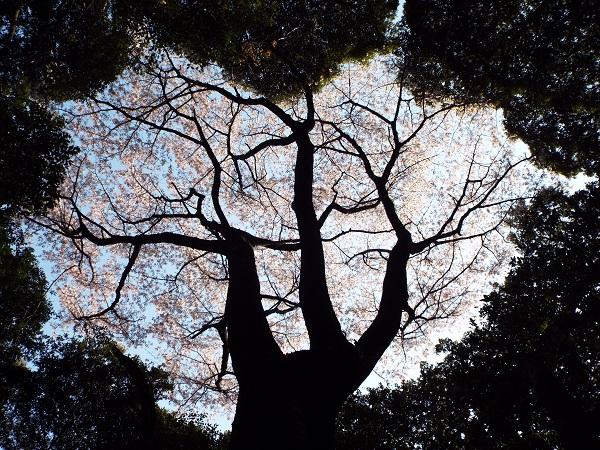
(536, 60)
(275, 47)
(23, 305)
(34, 153)
(212, 225)
(529, 375)
(58, 49)
(287, 52)
(90, 395)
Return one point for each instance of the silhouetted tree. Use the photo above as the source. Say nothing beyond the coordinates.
(23, 305)
(529, 375)
(248, 200)
(536, 60)
(90, 395)
(275, 47)
(59, 49)
(34, 153)
(340, 159)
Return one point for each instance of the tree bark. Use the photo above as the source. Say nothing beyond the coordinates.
(291, 401)
(295, 403)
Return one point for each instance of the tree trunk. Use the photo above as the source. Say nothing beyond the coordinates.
(295, 404)
(266, 420)
(291, 401)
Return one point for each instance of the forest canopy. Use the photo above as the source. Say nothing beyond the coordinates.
(274, 197)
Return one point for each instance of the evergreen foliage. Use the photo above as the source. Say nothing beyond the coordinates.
(536, 60)
(34, 154)
(89, 395)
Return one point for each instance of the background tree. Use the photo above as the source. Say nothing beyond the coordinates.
(528, 376)
(34, 153)
(55, 49)
(538, 61)
(90, 395)
(23, 305)
(273, 47)
(49, 50)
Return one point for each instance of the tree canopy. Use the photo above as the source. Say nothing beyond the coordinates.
(23, 305)
(275, 47)
(233, 222)
(34, 154)
(57, 49)
(68, 50)
(87, 394)
(538, 61)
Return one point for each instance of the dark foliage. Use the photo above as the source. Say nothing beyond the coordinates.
(303, 43)
(49, 50)
(23, 306)
(89, 395)
(273, 47)
(187, 432)
(529, 376)
(34, 154)
(59, 49)
(536, 60)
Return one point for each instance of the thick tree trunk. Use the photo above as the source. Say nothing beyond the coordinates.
(279, 419)
(294, 406)
(291, 401)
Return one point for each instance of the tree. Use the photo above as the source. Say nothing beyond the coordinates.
(56, 49)
(275, 47)
(49, 50)
(23, 305)
(528, 376)
(536, 60)
(191, 186)
(34, 153)
(90, 395)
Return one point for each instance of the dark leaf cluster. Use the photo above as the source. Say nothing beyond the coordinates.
(536, 60)
(23, 305)
(277, 47)
(34, 154)
(89, 395)
(60, 49)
